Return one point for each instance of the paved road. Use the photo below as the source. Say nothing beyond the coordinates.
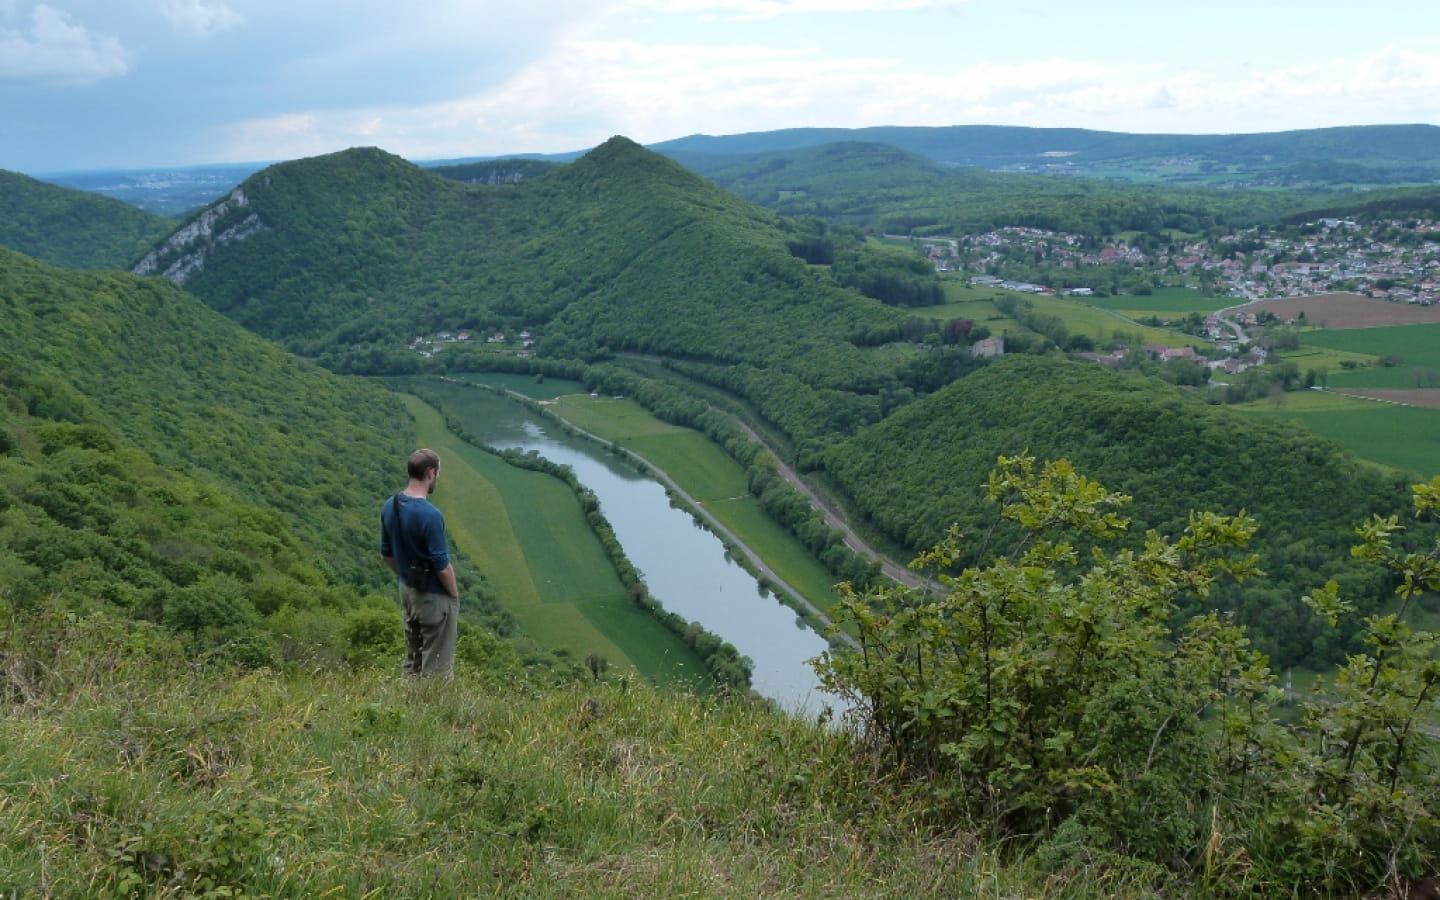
(834, 519)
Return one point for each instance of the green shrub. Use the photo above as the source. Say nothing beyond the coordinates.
(1047, 696)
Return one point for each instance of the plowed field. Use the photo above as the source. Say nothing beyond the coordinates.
(1427, 397)
(1348, 311)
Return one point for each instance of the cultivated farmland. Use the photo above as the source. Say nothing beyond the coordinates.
(1347, 311)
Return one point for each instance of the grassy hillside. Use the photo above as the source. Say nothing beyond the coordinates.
(72, 228)
(130, 775)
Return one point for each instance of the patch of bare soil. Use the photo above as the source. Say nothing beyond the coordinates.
(1348, 311)
(1427, 397)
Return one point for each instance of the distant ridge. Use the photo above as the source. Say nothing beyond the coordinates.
(1385, 154)
(993, 146)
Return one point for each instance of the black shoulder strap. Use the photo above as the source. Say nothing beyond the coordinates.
(396, 524)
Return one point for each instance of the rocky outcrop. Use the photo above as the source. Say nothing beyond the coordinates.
(183, 254)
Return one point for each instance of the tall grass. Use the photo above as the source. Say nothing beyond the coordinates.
(128, 772)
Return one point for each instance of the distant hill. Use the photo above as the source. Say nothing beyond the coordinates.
(1378, 154)
(1326, 158)
(883, 188)
(73, 228)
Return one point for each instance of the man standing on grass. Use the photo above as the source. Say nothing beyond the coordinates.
(412, 543)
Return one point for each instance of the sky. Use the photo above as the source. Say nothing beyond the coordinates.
(132, 84)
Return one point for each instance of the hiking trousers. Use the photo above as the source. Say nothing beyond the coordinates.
(432, 623)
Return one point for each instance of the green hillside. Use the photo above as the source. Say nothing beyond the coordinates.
(163, 374)
(622, 249)
(72, 228)
(1159, 444)
(349, 257)
(162, 463)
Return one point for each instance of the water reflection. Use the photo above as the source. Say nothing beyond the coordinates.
(685, 566)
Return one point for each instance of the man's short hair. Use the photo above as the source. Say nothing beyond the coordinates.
(422, 461)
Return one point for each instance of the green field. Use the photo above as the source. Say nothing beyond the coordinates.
(1080, 317)
(1166, 302)
(1330, 363)
(1410, 347)
(1402, 438)
(528, 535)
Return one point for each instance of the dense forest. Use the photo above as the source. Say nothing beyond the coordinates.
(72, 228)
(1159, 444)
(163, 463)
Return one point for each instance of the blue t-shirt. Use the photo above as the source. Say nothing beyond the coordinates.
(416, 536)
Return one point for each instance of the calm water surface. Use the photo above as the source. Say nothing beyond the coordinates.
(685, 566)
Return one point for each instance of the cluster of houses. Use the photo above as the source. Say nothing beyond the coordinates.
(1253, 355)
(427, 346)
(1395, 260)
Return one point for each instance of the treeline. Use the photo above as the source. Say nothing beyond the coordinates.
(1391, 203)
(894, 276)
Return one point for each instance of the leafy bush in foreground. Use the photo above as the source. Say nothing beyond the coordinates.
(1048, 695)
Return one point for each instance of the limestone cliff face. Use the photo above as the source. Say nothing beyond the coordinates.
(183, 254)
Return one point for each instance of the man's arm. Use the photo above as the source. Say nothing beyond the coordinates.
(390, 561)
(447, 581)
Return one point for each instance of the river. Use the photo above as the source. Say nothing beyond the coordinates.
(685, 566)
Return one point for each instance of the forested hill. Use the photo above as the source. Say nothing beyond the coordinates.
(887, 189)
(622, 249)
(1163, 446)
(74, 229)
(140, 384)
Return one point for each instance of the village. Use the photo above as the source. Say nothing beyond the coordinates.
(1395, 260)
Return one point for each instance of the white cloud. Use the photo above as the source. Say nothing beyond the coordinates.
(200, 19)
(58, 51)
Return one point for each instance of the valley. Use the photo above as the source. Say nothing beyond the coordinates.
(1136, 498)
